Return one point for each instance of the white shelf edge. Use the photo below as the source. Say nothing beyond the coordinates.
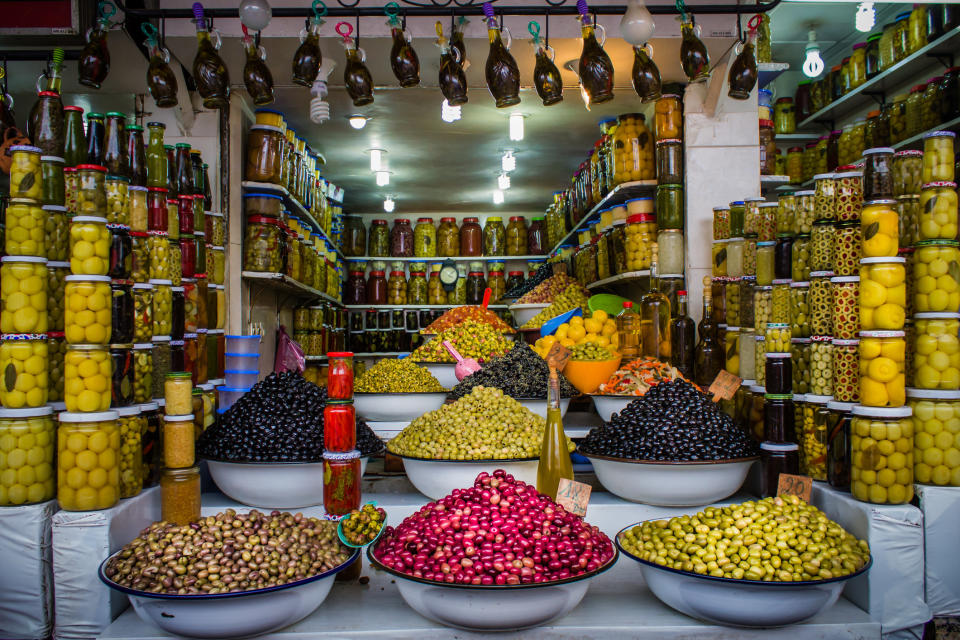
(630, 275)
(455, 258)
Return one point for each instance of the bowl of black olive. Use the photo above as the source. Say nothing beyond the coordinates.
(671, 447)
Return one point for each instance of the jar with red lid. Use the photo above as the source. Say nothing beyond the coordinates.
(476, 285)
(340, 375)
(377, 288)
(355, 289)
(156, 209)
(448, 238)
(536, 237)
(339, 426)
(401, 239)
(341, 482)
(185, 214)
(471, 237)
(188, 257)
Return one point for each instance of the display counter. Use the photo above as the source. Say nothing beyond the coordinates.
(941, 522)
(26, 607)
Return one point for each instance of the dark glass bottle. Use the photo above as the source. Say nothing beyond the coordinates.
(209, 72)
(682, 338)
(171, 171)
(546, 76)
(502, 73)
(256, 75)
(207, 191)
(161, 80)
(403, 58)
(74, 144)
(708, 358)
(184, 170)
(94, 63)
(307, 59)
(95, 134)
(693, 54)
(356, 76)
(196, 170)
(456, 42)
(743, 72)
(452, 80)
(136, 156)
(48, 132)
(115, 145)
(646, 75)
(596, 68)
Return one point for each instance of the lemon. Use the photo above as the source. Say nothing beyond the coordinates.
(889, 316)
(870, 349)
(895, 349)
(600, 315)
(878, 246)
(872, 293)
(576, 332)
(562, 330)
(896, 391)
(899, 493)
(887, 275)
(886, 477)
(873, 393)
(576, 321)
(877, 495)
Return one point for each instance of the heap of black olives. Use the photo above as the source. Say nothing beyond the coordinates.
(673, 422)
(542, 273)
(520, 373)
(279, 420)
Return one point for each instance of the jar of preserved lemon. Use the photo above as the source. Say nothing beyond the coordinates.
(858, 65)
(26, 470)
(883, 293)
(937, 211)
(936, 422)
(23, 359)
(25, 231)
(879, 225)
(669, 117)
(882, 368)
(633, 156)
(936, 271)
(89, 246)
(88, 372)
(938, 158)
(907, 172)
(936, 351)
(882, 447)
(88, 461)
(641, 234)
(87, 310)
(23, 294)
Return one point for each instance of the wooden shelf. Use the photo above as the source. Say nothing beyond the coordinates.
(287, 284)
(293, 205)
(617, 196)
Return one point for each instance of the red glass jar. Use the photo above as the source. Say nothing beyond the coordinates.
(339, 426)
(471, 237)
(401, 239)
(156, 209)
(185, 214)
(536, 237)
(340, 375)
(341, 482)
(188, 255)
(355, 289)
(377, 287)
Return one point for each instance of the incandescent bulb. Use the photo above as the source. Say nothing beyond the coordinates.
(255, 14)
(516, 126)
(813, 65)
(497, 196)
(503, 182)
(866, 17)
(509, 161)
(388, 204)
(383, 178)
(636, 25)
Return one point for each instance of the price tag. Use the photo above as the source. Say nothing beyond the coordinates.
(558, 356)
(573, 496)
(800, 486)
(724, 386)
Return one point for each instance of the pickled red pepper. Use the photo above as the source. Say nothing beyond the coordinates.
(340, 376)
(339, 427)
(341, 482)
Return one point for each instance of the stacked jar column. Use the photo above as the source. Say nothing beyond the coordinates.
(341, 459)
(180, 483)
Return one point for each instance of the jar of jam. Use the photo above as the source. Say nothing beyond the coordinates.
(777, 458)
(341, 482)
(778, 373)
(377, 288)
(471, 237)
(355, 289)
(536, 236)
(476, 286)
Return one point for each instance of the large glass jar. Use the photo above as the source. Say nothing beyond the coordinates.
(936, 351)
(401, 239)
(448, 238)
(494, 237)
(87, 310)
(89, 246)
(264, 237)
(936, 420)
(669, 156)
(88, 371)
(88, 457)
(23, 359)
(26, 178)
(26, 471)
(379, 246)
(471, 238)
(425, 238)
(476, 285)
(784, 117)
(938, 156)
(882, 368)
(417, 288)
(640, 232)
(805, 210)
(765, 263)
(354, 237)
(907, 172)
(25, 229)
(264, 154)
(377, 288)
(935, 266)
(882, 447)
(23, 297)
(516, 236)
(670, 207)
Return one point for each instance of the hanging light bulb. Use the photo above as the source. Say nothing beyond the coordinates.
(320, 108)
(449, 113)
(383, 178)
(503, 181)
(255, 14)
(866, 17)
(509, 161)
(357, 121)
(388, 204)
(636, 25)
(497, 196)
(376, 159)
(813, 65)
(516, 126)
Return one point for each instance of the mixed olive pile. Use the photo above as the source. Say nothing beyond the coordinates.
(573, 296)
(397, 376)
(471, 339)
(780, 539)
(486, 424)
(228, 553)
(363, 525)
(590, 351)
(279, 420)
(672, 422)
(521, 373)
(543, 272)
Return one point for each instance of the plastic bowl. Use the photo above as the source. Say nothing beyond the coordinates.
(607, 405)
(539, 406)
(231, 615)
(272, 485)
(523, 312)
(443, 372)
(226, 396)
(739, 603)
(242, 361)
(670, 484)
(438, 478)
(396, 407)
(241, 379)
(495, 607)
(243, 344)
(588, 375)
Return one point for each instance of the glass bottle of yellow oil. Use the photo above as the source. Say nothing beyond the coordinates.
(628, 332)
(554, 455)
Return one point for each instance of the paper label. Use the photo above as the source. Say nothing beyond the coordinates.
(724, 386)
(800, 486)
(573, 496)
(558, 356)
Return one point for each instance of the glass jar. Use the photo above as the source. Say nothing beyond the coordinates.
(27, 470)
(401, 239)
(354, 237)
(777, 338)
(780, 309)
(732, 303)
(216, 230)
(783, 257)
(765, 263)
(760, 364)
(670, 251)
(341, 487)
(881, 444)
(670, 207)
(846, 319)
(88, 476)
(879, 228)
(784, 116)
(930, 104)
(779, 417)
(795, 164)
(668, 118)
(800, 310)
(91, 193)
(143, 312)
(138, 213)
(118, 208)
(379, 244)
(180, 492)
(732, 350)
(936, 351)
(734, 249)
(516, 236)
(262, 245)
(54, 189)
(777, 459)
(161, 364)
(821, 246)
(23, 298)
(641, 233)
(87, 378)
(846, 249)
(471, 238)
(121, 252)
(800, 253)
(721, 223)
(767, 222)
(800, 356)
(425, 238)
(162, 307)
(914, 110)
(87, 309)
(786, 212)
(476, 285)
(122, 378)
(355, 288)
(157, 210)
(89, 246)
(23, 359)
(188, 252)
(669, 157)
(377, 288)
(936, 420)
(821, 366)
(25, 229)
(937, 211)
(750, 258)
(56, 282)
(494, 237)
(935, 267)
(938, 150)
(264, 154)
(858, 65)
(813, 437)
(878, 173)
(26, 177)
(882, 367)
(417, 288)
(849, 195)
(448, 238)
(217, 264)
(907, 172)
(805, 211)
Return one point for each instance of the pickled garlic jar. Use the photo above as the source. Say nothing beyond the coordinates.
(936, 436)
(882, 366)
(881, 445)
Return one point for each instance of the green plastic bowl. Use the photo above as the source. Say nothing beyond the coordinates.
(609, 302)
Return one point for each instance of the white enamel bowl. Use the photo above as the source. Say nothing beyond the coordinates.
(739, 603)
(231, 615)
(523, 312)
(608, 405)
(272, 485)
(491, 608)
(539, 407)
(396, 407)
(670, 484)
(438, 478)
(443, 372)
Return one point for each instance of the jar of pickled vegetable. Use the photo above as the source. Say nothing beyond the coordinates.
(671, 254)
(936, 358)
(188, 254)
(800, 309)
(87, 309)
(732, 350)
(640, 232)
(118, 207)
(935, 276)
(821, 246)
(25, 230)
(878, 176)
(765, 263)
(216, 229)
(795, 164)
(784, 116)
(89, 246)
(157, 210)
(882, 367)
(88, 372)
(783, 257)
(27, 469)
(907, 172)
(760, 362)
(849, 195)
(23, 297)
(914, 110)
(23, 358)
(825, 196)
(143, 312)
(379, 245)
(721, 223)
(448, 238)
(397, 288)
(376, 288)
(56, 282)
(417, 288)
(476, 285)
(750, 258)
(471, 238)
(777, 337)
(800, 253)
(264, 154)
(54, 189)
(809, 160)
(734, 249)
(516, 236)
(847, 249)
(632, 143)
(719, 264)
(88, 456)
(138, 212)
(882, 448)
(780, 309)
(669, 155)
(936, 420)
(821, 366)
(161, 364)
(425, 238)
(812, 435)
(494, 237)
(938, 150)
(669, 117)
(262, 245)
(26, 178)
(880, 228)
(800, 358)
(162, 307)
(670, 207)
(930, 104)
(354, 237)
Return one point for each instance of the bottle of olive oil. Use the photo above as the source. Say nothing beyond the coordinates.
(554, 456)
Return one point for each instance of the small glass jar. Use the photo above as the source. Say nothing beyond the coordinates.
(936, 420)
(847, 249)
(846, 370)
(800, 309)
(936, 351)
(185, 221)
(54, 188)
(849, 195)
(765, 263)
(937, 211)
(721, 223)
(23, 359)
(795, 164)
(341, 487)
(157, 210)
(162, 307)
(732, 350)
(825, 196)
(800, 255)
(670, 251)
(777, 459)
(180, 492)
(25, 229)
(780, 309)
(178, 393)
(397, 288)
(138, 211)
(89, 246)
(121, 252)
(118, 207)
(670, 208)
(779, 417)
(800, 356)
(668, 118)
(56, 282)
(669, 158)
(26, 471)
(882, 367)
(641, 233)
(821, 246)
(938, 154)
(784, 116)
(123, 376)
(23, 298)
(878, 176)
(26, 177)
(907, 172)
(88, 461)
(846, 318)
(881, 445)
(883, 293)
(821, 366)
(935, 269)
(56, 233)
(261, 247)
(777, 338)
(813, 436)
(91, 193)
(143, 312)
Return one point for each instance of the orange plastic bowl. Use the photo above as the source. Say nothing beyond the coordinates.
(588, 375)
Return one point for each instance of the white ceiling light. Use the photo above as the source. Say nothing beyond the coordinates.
(255, 14)
(448, 113)
(636, 25)
(383, 178)
(320, 108)
(388, 204)
(497, 196)
(357, 121)
(516, 126)
(866, 17)
(376, 159)
(813, 65)
(503, 181)
(509, 161)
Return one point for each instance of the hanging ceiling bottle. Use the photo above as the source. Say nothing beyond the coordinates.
(453, 81)
(596, 68)
(307, 59)
(503, 75)
(743, 72)
(646, 75)
(356, 76)
(693, 53)
(209, 71)
(546, 76)
(161, 80)
(256, 75)
(456, 41)
(403, 59)
(94, 63)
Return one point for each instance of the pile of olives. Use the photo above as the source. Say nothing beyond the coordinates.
(477, 340)
(570, 298)
(519, 374)
(397, 376)
(590, 351)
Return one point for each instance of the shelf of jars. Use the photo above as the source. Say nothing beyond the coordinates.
(769, 183)
(621, 277)
(896, 76)
(441, 259)
(286, 283)
(916, 142)
(769, 71)
(617, 196)
(315, 358)
(295, 208)
(384, 307)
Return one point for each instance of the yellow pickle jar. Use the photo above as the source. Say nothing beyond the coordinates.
(821, 366)
(908, 217)
(142, 312)
(907, 172)
(938, 158)
(56, 284)
(879, 225)
(87, 310)
(883, 294)
(800, 357)
(88, 461)
(825, 196)
(118, 200)
(762, 308)
(806, 211)
(881, 447)
(23, 359)
(800, 309)
(845, 293)
(936, 351)
(178, 392)
(936, 272)
(732, 344)
(89, 246)
(158, 250)
(137, 198)
(142, 372)
(27, 438)
(131, 451)
(937, 211)
(87, 378)
(821, 303)
(162, 308)
(26, 179)
(813, 436)
(882, 366)
(641, 234)
(719, 258)
(23, 294)
(25, 232)
(760, 360)
(936, 436)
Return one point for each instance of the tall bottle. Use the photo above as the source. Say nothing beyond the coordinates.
(96, 131)
(502, 73)
(356, 75)
(45, 122)
(554, 461)
(307, 59)
(546, 76)
(136, 156)
(184, 170)
(655, 316)
(115, 145)
(209, 72)
(256, 75)
(74, 142)
(628, 332)
(743, 72)
(452, 79)
(683, 338)
(156, 155)
(94, 62)
(708, 357)
(403, 58)
(160, 77)
(596, 68)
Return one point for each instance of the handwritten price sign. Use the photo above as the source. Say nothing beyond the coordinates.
(800, 486)
(573, 496)
(558, 356)
(724, 386)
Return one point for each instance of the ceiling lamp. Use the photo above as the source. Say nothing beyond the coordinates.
(636, 25)
(516, 126)
(813, 65)
(509, 161)
(388, 204)
(383, 178)
(357, 121)
(497, 196)
(255, 14)
(320, 108)
(503, 182)
(866, 17)
(376, 159)
(449, 113)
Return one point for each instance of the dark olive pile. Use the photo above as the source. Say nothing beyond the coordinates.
(543, 272)
(673, 422)
(521, 373)
(279, 420)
